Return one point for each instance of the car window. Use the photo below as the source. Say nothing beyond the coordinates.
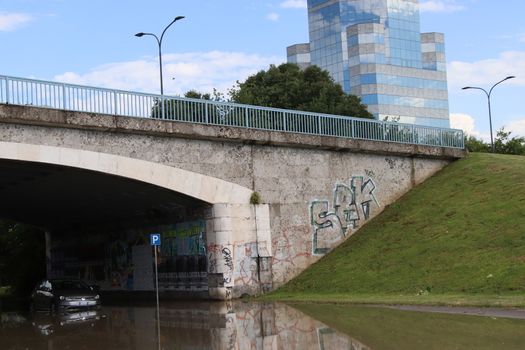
(69, 285)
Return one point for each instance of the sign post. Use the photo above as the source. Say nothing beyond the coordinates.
(155, 243)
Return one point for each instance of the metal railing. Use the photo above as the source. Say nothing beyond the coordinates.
(46, 94)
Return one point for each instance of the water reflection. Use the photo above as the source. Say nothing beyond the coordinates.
(188, 325)
(257, 326)
(46, 324)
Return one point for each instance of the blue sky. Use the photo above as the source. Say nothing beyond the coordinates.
(92, 42)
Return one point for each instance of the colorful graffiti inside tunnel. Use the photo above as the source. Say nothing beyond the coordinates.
(98, 226)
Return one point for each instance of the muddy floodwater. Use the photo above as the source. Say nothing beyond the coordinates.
(255, 325)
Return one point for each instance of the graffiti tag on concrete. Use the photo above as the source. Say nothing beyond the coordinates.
(352, 204)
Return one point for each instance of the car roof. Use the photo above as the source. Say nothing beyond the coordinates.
(64, 279)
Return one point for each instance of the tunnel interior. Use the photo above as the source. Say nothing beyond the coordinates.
(98, 225)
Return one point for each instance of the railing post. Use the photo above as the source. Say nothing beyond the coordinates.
(414, 134)
(7, 90)
(163, 106)
(319, 125)
(246, 117)
(353, 128)
(206, 120)
(64, 96)
(114, 103)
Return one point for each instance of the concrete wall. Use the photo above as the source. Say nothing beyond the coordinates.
(316, 190)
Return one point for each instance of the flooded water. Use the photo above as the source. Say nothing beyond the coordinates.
(253, 325)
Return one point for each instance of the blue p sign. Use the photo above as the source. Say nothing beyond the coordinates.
(154, 239)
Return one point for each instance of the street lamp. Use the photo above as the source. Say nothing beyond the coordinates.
(488, 98)
(159, 42)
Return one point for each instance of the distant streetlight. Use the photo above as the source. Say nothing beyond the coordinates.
(488, 98)
(159, 42)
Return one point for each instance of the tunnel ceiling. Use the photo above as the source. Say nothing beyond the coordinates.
(61, 198)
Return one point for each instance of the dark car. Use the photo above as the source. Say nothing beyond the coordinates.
(64, 294)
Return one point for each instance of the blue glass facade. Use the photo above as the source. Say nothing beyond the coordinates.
(374, 49)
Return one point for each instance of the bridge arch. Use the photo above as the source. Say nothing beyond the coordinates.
(231, 223)
(203, 187)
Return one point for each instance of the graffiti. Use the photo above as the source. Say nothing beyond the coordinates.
(224, 111)
(351, 205)
(286, 253)
(391, 162)
(370, 173)
(216, 280)
(212, 263)
(231, 328)
(246, 263)
(184, 239)
(228, 262)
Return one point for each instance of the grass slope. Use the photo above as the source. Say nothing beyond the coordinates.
(462, 232)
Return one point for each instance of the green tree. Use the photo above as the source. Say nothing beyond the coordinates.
(214, 96)
(290, 87)
(507, 145)
(502, 144)
(176, 109)
(197, 95)
(473, 144)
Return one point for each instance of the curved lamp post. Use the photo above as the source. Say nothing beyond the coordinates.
(488, 98)
(159, 42)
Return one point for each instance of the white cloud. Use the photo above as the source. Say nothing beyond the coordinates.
(464, 122)
(274, 17)
(201, 71)
(486, 72)
(12, 21)
(294, 4)
(439, 6)
(467, 123)
(517, 127)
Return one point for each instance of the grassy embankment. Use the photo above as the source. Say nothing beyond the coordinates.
(457, 239)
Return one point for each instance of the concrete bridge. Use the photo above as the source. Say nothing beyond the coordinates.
(241, 208)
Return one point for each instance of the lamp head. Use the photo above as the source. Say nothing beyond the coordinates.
(510, 77)
(178, 18)
(139, 34)
(466, 87)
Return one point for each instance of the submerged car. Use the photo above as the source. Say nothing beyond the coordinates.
(64, 294)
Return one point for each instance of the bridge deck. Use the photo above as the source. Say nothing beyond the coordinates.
(46, 94)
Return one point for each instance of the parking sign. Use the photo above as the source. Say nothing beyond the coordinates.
(154, 239)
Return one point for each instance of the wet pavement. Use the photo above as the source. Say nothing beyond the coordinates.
(475, 311)
(247, 325)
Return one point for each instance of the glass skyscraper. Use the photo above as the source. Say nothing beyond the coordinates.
(375, 50)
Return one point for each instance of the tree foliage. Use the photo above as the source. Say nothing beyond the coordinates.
(289, 87)
(505, 144)
(473, 144)
(214, 96)
(502, 144)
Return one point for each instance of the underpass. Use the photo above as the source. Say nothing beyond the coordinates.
(245, 197)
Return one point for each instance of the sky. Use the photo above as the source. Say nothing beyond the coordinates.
(92, 42)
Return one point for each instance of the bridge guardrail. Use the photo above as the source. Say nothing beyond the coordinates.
(55, 95)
